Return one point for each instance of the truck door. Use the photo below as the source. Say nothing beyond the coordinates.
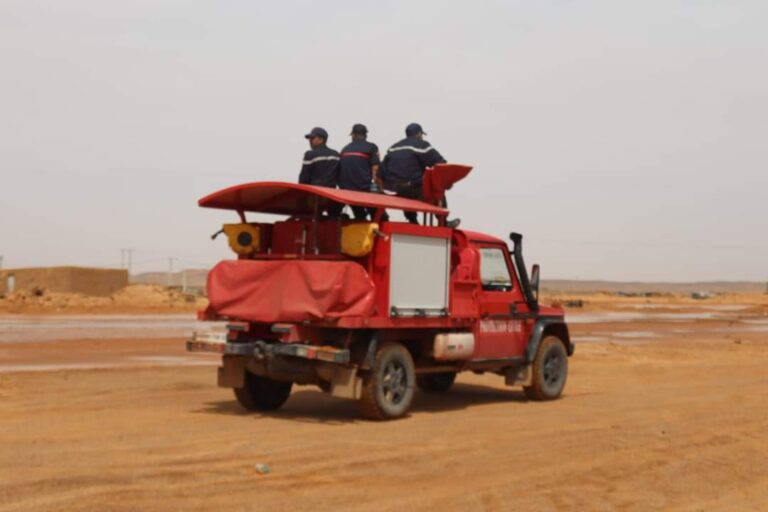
(499, 333)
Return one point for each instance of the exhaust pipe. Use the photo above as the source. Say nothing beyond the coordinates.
(517, 254)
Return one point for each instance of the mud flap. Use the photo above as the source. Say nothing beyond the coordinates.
(522, 376)
(346, 383)
(232, 372)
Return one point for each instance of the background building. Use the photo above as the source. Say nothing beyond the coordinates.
(88, 281)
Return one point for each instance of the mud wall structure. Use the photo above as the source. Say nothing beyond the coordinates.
(88, 281)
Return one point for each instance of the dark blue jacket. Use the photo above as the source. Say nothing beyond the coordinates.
(320, 167)
(407, 159)
(357, 159)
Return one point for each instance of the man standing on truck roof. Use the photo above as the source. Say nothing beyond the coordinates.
(404, 165)
(359, 167)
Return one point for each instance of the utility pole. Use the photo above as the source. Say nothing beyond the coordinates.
(170, 271)
(130, 259)
(126, 256)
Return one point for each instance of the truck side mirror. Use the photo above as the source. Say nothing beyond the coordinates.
(535, 280)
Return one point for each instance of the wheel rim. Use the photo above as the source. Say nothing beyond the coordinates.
(553, 368)
(393, 382)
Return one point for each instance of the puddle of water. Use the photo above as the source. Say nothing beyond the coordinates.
(608, 316)
(5, 368)
(757, 321)
(631, 341)
(727, 307)
(754, 325)
(746, 325)
(174, 360)
(746, 328)
(711, 307)
(630, 316)
(27, 328)
(635, 334)
(133, 362)
(45, 321)
(589, 339)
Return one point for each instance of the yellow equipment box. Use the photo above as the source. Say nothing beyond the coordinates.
(357, 239)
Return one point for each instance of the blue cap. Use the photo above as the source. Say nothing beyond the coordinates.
(317, 132)
(359, 129)
(413, 129)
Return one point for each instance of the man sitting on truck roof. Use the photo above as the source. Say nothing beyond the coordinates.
(321, 165)
(360, 167)
(404, 165)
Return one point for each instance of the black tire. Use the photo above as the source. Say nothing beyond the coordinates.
(388, 388)
(436, 382)
(550, 370)
(262, 394)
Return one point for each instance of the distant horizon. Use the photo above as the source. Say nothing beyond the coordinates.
(544, 278)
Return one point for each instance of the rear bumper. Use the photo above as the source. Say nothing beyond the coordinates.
(235, 349)
(218, 343)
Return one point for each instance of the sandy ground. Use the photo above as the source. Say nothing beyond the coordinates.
(666, 408)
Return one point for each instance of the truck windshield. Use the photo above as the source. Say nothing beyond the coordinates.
(494, 273)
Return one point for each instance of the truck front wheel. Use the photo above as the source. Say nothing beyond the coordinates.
(262, 394)
(436, 382)
(388, 388)
(550, 369)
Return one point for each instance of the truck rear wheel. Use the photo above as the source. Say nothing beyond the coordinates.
(388, 388)
(550, 370)
(262, 394)
(436, 382)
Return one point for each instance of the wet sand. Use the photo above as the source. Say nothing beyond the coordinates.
(39, 328)
(660, 412)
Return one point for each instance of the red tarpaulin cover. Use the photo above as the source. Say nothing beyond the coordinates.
(289, 290)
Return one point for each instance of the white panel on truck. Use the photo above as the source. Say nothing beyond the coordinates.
(419, 273)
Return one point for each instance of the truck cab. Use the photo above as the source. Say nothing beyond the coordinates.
(371, 310)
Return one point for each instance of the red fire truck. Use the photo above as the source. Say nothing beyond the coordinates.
(370, 310)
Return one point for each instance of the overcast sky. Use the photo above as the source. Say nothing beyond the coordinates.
(626, 140)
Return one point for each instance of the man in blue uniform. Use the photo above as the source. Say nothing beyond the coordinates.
(321, 165)
(359, 167)
(404, 165)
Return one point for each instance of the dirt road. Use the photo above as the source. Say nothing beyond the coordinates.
(671, 415)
